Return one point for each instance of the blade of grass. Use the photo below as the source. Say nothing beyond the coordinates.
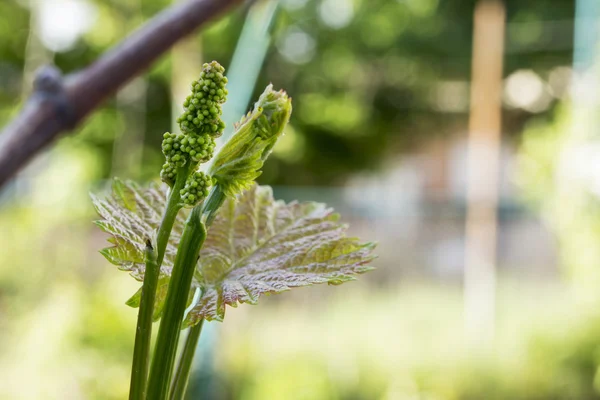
(248, 58)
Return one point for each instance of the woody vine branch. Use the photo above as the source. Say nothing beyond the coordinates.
(58, 104)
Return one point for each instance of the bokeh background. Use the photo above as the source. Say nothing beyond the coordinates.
(469, 151)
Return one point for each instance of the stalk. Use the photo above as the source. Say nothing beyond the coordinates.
(184, 367)
(215, 200)
(161, 370)
(182, 374)
(200, 124)
(173, 207)
(236, 165)
(143, 335)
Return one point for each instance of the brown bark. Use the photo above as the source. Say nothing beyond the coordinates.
(59, 104)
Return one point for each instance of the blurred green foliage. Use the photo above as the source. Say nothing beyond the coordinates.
(558, 176)
(416, 353)
(63, 322)
(361, 74)
(362, 92)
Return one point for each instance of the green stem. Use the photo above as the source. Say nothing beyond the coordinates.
(143, 335)
(215, 200)
(210, 207)
(185, 363)
(173, 207)
(161, 370)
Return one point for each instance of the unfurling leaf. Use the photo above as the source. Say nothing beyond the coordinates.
(239, 162)
(255, 246)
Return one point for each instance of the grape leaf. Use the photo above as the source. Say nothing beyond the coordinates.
(132, 215)
(255, 246)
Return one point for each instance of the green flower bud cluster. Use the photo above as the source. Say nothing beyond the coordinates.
(177, 147)
(203, 107)
(196, 188)
(200, 123)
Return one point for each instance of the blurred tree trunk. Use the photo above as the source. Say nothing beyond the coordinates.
(60, 104)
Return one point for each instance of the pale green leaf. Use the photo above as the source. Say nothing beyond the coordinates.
(260, 246)
(159, 300)
(255, 246)
(131, 215)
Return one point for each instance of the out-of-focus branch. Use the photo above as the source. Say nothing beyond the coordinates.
(59, 104)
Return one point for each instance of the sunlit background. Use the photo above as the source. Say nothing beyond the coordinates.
(462, 135)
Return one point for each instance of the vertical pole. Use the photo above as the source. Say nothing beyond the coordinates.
(483, 171)
(128, 148)
(186, 65)
(36, 54)
(587, 33)
(576, 159)
(586, 70)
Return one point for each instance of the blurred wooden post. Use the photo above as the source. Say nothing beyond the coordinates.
(186, 65)
(36, 53)
(128, 147)
(483, 172)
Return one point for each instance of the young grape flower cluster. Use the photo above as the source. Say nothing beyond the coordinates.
(203, 107)
(196, 187)
(200, 124)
